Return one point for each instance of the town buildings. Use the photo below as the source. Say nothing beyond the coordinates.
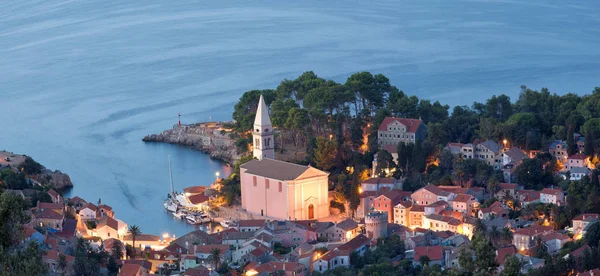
(395, 130)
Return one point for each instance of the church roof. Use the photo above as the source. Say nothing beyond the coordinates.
(275, 169)
(262, 114)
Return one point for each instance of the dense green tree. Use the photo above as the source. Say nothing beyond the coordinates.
(245, 110)
(12, 218)
(385, 163)
(13, 180)
(512, 266)
(30, 166)
(499, 108)
(532, 174)
(325, 153)
(592, 235)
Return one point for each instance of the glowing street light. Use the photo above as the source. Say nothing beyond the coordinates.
(217, 174)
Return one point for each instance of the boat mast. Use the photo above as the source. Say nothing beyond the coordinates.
(170, 174)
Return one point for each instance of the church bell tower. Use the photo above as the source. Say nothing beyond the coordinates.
(264, 143)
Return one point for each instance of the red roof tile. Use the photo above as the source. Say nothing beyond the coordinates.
(48, 214)
(195, 190)
(533, 230)
(586, 216)
(130, 270)
(355, 243)
(55, 255)
(198, 199)
(593, 272)
(45, 205)
(411, 124)
(577, 252)
(502, 253)
(90, 206)
(463, 198)
(251, 223)
(549, 191)
(433, 252)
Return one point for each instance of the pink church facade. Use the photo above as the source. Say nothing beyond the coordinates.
(284, 191)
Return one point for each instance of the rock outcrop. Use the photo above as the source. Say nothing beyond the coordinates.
(55, 179)
(210, 138)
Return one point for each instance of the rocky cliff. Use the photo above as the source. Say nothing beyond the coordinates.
(56, 179)
(211, 138)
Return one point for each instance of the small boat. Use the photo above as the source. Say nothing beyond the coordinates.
(192, 219)
(204, 218)
(170, 206)
(227, 223)
(179, 214)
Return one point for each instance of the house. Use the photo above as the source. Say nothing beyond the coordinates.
(454, 148)
(367, 199)
(434, 253)
(502, 254)
(106, 228)
(275, 268)
(56, 197)
(88, 212)
(277, 189)
(32, 235)
(49, 219)
(144, 241)
(558, 149)
(415, 216)
(524, 238)
(430, 194)
(528, 196)
(197, 271)
(387, 201)
(349, 229)
(340, 256)
(376, 183)
(110, 243)
(234, 237)
(130, 269)
(488, 151)
(577, 160)
(77, 202)
(582, 222)
(52, 258)
(402, 212)
(468, 151)
(577, 173)
(513, 155)
(103, 211)
(464, 203)
(199, 201)
(552, 195)
(290, 233)
(555, 241)
(504, 188)
(495, 210)
(251, 225)
(528, 263)
(437, 222)
(593, 272)
(395, 130)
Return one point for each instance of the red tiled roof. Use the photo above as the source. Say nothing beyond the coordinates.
(593, 272)
(533, 230)
(77, 199)
(90, 206)
(380, 180)
(130, 270)
(417, 208)
(48, 214)
(452, 144)
(502, 253)
(453, 214)
(55, 255)
(330, 255)
(555, 236)
(411, 124)
(578, 156)
(549, 191)
(355, 243)
(195, 190)
(197, 271)
(108, 221)
(46, 205)
(391, 148)
(577, 252)
(438, 204)
(433, 252)
(251, 223)
(206, 249)
(435, 190)
(110, 243)
(463, 198)
(198, 199)
(143, 263)
(28, 231)
(368, 194)
(586, 216)
(141, 237)
(105, 207)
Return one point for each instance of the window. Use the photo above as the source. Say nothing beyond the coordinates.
(280, 187)
(254, 180)
(266, 184)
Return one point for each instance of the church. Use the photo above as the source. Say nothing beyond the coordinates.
(277, 189)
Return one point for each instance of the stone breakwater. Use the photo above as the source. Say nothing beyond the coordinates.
(211, 138)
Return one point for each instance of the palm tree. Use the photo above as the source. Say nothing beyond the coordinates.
(215, 257)
(62, 263)
(494, 234)
(506, 235)
(134, 231)
(480, 227)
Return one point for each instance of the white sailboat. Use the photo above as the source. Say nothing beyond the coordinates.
(170, 203)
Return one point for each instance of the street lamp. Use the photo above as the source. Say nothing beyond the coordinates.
(217, 174)
(505, 142)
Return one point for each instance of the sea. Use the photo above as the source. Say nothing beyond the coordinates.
(81, 82)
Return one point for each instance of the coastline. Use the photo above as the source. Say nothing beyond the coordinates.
(36, 174)
(207, 137)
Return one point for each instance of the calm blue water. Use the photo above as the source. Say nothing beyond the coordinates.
(82, 81)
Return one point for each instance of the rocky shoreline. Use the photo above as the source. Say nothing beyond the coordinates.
(211, 138)
(43, 176)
